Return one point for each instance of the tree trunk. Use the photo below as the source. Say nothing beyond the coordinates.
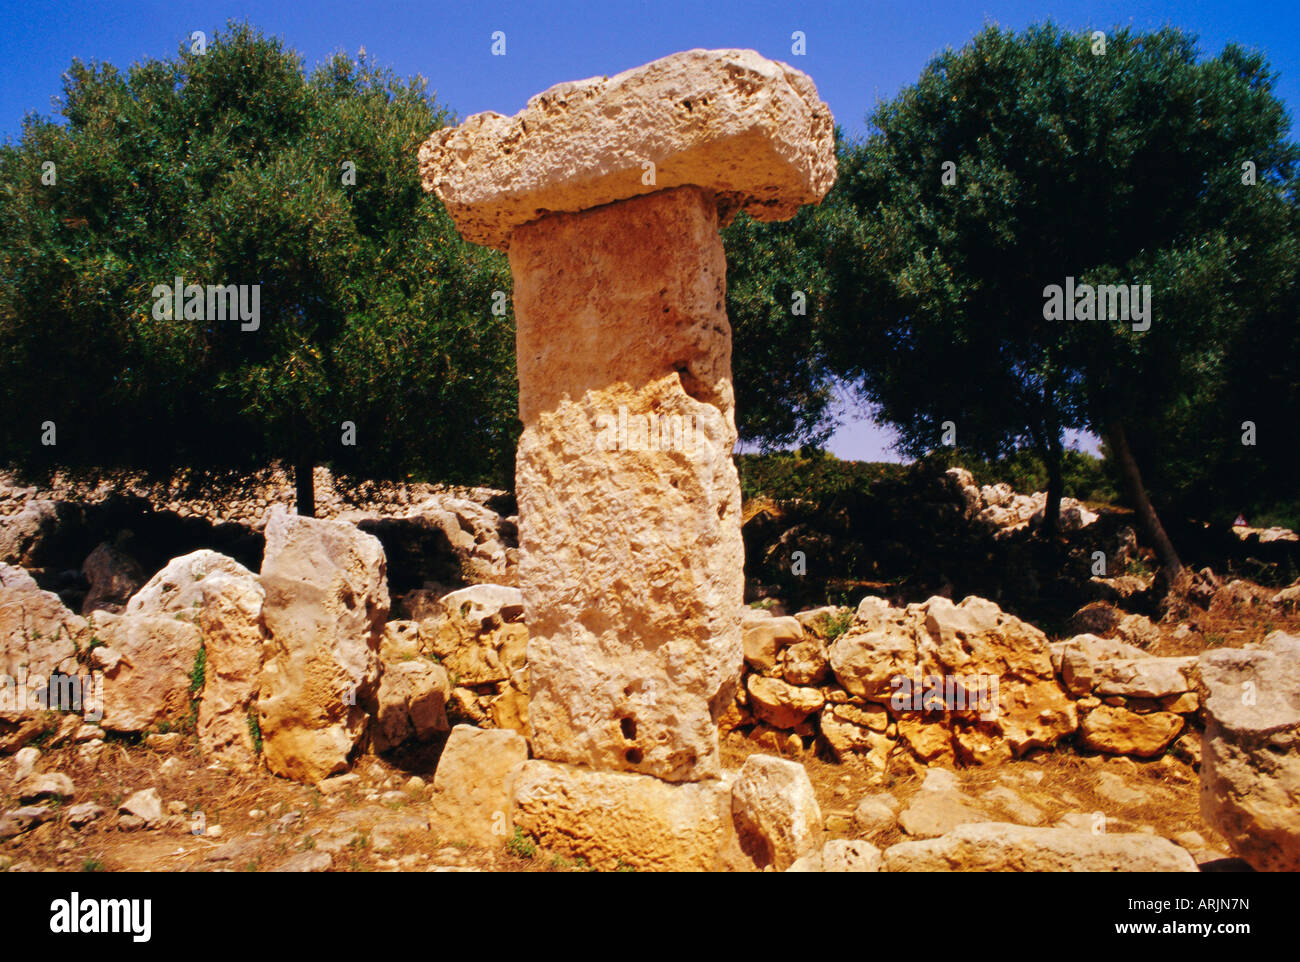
(1170, 566)
(305, 483)
(1055, 489)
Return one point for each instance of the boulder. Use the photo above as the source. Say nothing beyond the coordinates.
(814, 619)
(145, 805)
(1002, 847)
(1250, 758)
(36, 631)
(1075, 659)
(617, 820)
(939, 807)
(844, 855)
(1288, 599)
(178, 588)
(850, 730)
(234, 635)
(478, 603)
(39, 788)
(1118, 731)
(471, 639)
(781, 705)
(325, 608)
(113, 576)
(764, 638)
(24, 819)
(473, 784)
(1105, 620)
(79, 816)
(149, 664)
(776, 812)
(412, 703)
(1145, 677)
(806, 663)
(22, 535)
(25, 760)
(876, 812)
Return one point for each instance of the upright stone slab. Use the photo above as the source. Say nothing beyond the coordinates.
(632, 565)
(325, 606)
(608, 194)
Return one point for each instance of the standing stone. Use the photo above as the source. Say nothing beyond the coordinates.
(233, 637)
(473, 784)
(608, 194)
(326, 604)
(36, 631)
(1250, 756)
(632, 564)
(149, 663)
(776, 812)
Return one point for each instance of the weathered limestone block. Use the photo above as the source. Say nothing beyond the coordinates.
(36, 631)
(1118, 731)
(326, 604)
(608, 194)
(775, 810)
(617, 819)
(782, 705)
(632, 560)
(148, 662)
(474, 783)
(178, 588)
(412, 703)
(233, 638)
(1250, 756)
(1001, 847)
(751, 129)
(765, 637)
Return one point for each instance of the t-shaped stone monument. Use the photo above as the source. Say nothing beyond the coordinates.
(608, 194)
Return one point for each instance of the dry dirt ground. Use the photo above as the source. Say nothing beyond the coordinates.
(381, 821)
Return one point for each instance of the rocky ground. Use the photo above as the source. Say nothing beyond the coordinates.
(379, 820)
(145, 802)
(215, 752)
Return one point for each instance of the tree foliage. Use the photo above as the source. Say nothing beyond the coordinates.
(1115, 168)
(227, 167)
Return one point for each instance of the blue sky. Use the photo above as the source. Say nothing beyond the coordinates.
(856, 52)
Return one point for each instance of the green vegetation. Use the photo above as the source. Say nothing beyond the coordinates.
(520, 845)
(255, 732)
(807, 473)
(199, 670)
(816, 475)
(372, 310)
(835, 625)
(1115, 169)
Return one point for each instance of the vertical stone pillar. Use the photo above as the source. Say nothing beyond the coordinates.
(608, 194)
(631, 562)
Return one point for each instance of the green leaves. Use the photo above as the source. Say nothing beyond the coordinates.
(228, 168)
(1123, 168)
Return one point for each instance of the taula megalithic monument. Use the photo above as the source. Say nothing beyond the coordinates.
(608, 194)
